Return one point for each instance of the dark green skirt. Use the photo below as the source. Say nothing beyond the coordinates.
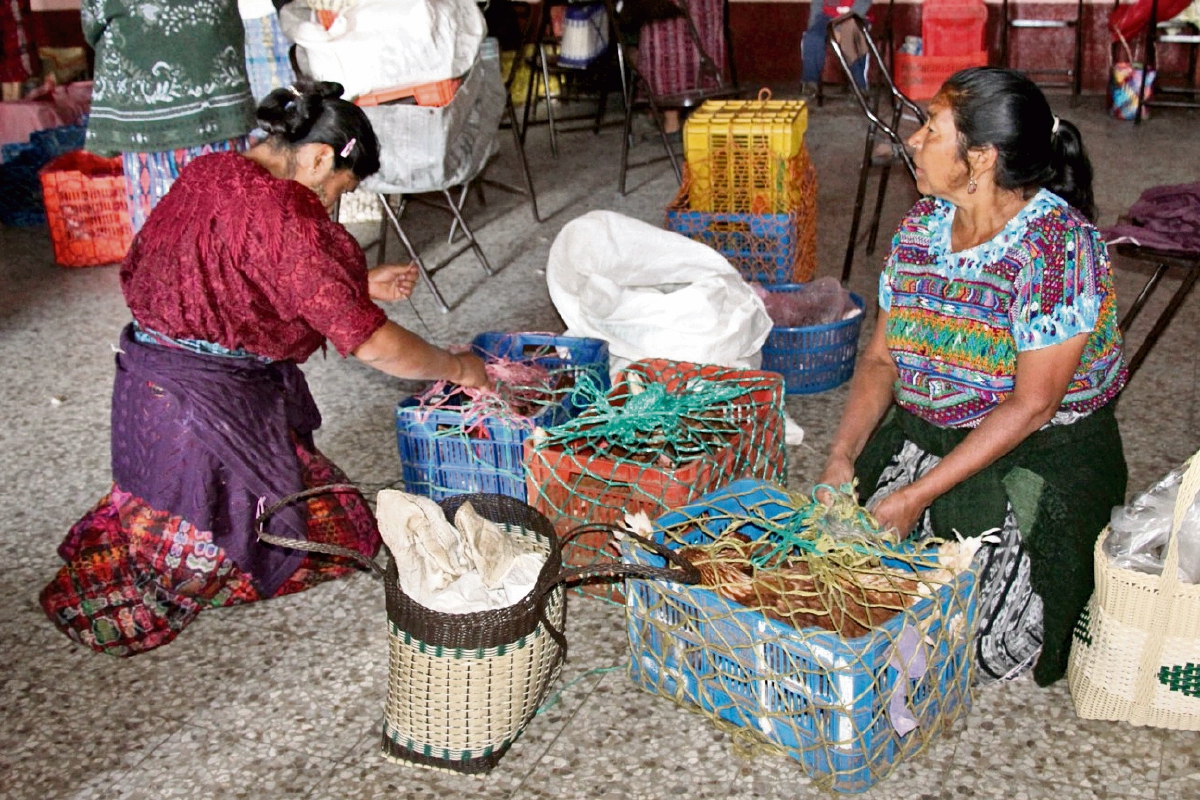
(1062, 484)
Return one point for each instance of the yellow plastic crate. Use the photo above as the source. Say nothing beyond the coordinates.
(741, 153)
(774, 125)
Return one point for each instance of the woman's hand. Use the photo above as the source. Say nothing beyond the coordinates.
(391, 282)
(901, 510)
(472, 373)
(839, 470)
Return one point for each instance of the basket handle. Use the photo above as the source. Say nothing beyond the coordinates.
(764, 93)
(265, 512)
(1139, 713)
(687, 572)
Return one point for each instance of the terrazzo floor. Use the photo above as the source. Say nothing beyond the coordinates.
(283, 699)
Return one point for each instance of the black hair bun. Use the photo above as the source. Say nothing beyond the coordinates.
(329, 90)
(292, 111)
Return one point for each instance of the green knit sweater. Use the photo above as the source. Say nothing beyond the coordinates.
(169, 74)
(1062, 483)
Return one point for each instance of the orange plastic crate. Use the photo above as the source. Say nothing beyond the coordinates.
(920, 77)
(438, 93)
(86, 209)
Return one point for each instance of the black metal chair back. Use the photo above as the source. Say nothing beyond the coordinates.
(884, 107)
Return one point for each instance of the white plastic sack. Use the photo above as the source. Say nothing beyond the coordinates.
(430, 148)
(651, 293)
(383, 44)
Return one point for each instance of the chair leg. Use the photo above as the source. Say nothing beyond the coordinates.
(383, 232)
(467, 232)
(884, 174)
(626, 132)
(462, 199)
(1164, 318)
(519, 143)
(394, 217)
(545, 68)
(662, 134)
(859, 198)
(1077, 68)
(1142, 297)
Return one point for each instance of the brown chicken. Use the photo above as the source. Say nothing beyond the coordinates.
(847, 602)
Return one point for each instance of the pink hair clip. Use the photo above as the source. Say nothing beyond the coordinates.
(349, 147)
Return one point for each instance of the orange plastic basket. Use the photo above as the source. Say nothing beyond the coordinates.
(86, 209)
(920, 77)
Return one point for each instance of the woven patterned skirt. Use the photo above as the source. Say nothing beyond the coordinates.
(136, 576)
(148, 176)
(267, 64)
(1008, 637)
(667, 54)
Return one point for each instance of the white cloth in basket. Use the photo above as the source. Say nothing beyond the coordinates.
(462, 568)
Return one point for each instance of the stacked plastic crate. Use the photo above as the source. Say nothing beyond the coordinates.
(751, 195)
(751, 190)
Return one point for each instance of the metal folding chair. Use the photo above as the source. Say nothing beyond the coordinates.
(1071, 77)
(707, 73)
(1163, 260)
(885, 107)
(1183, 94)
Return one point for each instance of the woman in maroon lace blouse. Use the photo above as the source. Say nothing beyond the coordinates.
(238, 276)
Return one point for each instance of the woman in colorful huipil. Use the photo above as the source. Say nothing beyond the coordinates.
(238, 276)
(994, 366)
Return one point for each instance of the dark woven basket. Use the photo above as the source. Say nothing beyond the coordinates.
(513, 655)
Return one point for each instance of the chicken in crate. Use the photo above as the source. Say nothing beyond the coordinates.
(810, 628)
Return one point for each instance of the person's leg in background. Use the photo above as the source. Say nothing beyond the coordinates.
(812, 48)
(812, 45)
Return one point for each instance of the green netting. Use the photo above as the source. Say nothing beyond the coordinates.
(665, 434)
(810, 632)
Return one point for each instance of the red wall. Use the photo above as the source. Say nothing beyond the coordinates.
(766, 40)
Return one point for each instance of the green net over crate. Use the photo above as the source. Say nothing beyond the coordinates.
(665, 434)
(811, 632)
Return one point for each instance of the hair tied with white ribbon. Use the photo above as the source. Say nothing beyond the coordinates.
(1054, 128)
(349, 147)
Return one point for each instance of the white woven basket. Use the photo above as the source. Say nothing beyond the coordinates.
(1136, 654)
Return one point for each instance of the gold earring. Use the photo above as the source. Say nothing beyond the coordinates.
(972, 186)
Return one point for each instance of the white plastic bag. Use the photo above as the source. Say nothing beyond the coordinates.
(651, 293)
(1138, 532)
(384, 44)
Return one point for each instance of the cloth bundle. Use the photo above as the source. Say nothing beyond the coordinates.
(462, 568)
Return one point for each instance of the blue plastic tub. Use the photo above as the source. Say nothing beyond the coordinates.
(816, 358)
(821, 697)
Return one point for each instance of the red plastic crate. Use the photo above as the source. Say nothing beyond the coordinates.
(574, 489)
(952, 27)
(86, 209)
(920, 77)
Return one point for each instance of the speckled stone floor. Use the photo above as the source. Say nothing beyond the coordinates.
(284, 699)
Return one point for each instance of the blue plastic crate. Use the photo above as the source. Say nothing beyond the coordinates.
(763, 247)
(21, 192)
(821, 697)
(576, 354)
(438, 460)
(815, 358)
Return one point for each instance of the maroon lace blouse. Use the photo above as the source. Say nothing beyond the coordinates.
(237, 257)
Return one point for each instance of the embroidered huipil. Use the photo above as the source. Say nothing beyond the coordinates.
(169, 74)
(956, 321)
